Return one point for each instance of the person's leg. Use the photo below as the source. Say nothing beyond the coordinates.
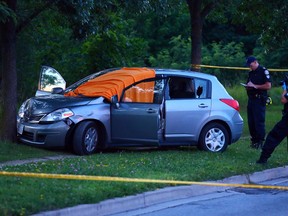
(274, 138)
(259, 118)
(251, 122)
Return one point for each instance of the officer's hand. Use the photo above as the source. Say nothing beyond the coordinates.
(251, 85)
(284, 87)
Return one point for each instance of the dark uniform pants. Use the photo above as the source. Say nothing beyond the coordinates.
(275, 137)
(256, 119)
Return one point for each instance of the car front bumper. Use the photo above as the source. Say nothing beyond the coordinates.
(45, 135)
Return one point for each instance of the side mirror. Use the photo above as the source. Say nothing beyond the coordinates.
(115, 102)
(57, 90)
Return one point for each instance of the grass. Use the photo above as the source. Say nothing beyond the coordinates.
(14, 151)
(26, 195)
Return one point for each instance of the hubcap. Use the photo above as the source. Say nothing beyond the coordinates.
(215, 140)
(90, 139)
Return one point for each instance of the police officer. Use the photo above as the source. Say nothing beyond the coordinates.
(258, 82)
(278, 133)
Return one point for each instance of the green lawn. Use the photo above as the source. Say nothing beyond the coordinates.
(27, 195)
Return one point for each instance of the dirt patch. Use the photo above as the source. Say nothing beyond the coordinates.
(35, 160)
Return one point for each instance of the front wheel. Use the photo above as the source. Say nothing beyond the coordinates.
(214, 138)
(86, 138)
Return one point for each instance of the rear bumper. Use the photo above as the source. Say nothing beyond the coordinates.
(237, 129)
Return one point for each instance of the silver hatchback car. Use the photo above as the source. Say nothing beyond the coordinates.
(130, 107)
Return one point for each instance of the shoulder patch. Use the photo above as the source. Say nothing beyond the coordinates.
(266, 72)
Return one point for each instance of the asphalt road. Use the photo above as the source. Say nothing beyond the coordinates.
(236, 201)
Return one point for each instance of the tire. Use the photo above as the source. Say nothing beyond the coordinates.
(214, 138)
(86, 138)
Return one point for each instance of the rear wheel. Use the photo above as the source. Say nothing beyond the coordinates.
(214, 138)
(86, 138)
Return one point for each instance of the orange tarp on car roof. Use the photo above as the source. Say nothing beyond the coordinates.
(112, 83)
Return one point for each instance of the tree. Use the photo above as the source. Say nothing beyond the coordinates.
(198, 13)
(267, 19)
(8, 72)
(8, 89)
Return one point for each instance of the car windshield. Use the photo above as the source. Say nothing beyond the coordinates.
(109, 84)
(85, 79)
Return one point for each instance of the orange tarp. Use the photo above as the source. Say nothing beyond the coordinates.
(112, 83)
(141, 93)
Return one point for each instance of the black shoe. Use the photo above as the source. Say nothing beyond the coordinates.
(261, 161)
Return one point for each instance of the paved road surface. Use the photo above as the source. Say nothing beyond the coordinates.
(246, 202)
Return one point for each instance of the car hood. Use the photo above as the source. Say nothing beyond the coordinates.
(46, 104)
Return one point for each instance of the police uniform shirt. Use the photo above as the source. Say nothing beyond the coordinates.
(258, 77)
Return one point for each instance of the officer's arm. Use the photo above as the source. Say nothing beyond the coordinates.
(284, 98)
(265, 86)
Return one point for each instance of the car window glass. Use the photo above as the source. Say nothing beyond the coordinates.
(50, 78)
(181, 87)
(187, 88)
(145, 92)
(201, 87)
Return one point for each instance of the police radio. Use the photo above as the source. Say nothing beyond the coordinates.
(268, 101)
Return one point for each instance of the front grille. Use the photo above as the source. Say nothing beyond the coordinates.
(30, 136)
(27, 135)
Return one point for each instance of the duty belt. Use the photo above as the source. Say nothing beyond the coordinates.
(256, 96)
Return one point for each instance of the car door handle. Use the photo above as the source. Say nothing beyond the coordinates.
(150, 110)
(202, 105)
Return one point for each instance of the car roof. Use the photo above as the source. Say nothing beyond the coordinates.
(184, 73)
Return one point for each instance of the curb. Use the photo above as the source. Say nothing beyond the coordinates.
(120, 205)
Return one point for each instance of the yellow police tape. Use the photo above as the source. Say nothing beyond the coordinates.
(121, 179)
(233, 68)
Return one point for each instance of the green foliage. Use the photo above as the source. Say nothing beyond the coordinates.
(6, 13)
(268, 19)
(230, 54)
(176, 57)
(47, 41)
(113, 49)
(158, 29)
(276, 59)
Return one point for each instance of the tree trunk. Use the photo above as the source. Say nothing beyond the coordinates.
(196, 32)
(9, 78)
(198, 13)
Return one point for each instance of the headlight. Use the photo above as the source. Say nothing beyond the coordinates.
(22, 109)
(57, 115)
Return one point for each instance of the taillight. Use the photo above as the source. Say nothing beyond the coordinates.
(232, 103)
